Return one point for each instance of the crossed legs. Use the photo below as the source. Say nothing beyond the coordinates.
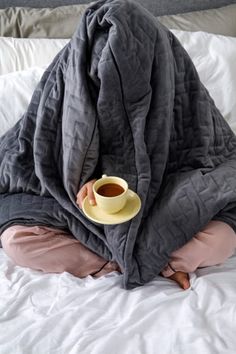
(55, 251)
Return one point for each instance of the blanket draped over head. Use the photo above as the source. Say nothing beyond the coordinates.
(122, 98)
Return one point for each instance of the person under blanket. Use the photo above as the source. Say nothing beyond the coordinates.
(53, 250)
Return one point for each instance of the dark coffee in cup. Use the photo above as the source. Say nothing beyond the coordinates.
(110, 190)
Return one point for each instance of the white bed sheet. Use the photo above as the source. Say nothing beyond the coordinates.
(61, 314)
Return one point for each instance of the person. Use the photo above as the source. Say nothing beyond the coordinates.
(211, 246)
(54, 250)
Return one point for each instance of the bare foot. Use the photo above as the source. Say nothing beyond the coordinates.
(182, 279)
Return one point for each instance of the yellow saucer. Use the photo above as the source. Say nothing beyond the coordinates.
(130, 209)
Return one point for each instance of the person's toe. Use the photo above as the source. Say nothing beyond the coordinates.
(185, 284)
(182, 279)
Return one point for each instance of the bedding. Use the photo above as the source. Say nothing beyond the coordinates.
(218, 21)
(59, 22)
(22, 54)
(64, 137)
(18, 87)
(213, 56)
(61, 314)
(62, 21)
(54, 313)
(156, 7)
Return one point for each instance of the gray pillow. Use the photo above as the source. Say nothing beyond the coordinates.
(61, 22)
(219, 21)
(156, 7)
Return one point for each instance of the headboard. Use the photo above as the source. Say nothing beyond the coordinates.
(157, 7)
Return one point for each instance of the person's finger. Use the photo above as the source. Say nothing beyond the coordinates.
(81, 195)
(90, 193)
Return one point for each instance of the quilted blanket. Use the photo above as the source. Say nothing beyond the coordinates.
(122, 98)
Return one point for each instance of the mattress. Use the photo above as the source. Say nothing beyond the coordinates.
(59, 313)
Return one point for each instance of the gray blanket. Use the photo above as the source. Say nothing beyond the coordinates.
(122, 98)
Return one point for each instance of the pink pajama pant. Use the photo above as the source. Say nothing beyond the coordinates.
(55, 251)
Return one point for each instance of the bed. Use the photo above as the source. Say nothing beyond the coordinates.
(58, 313)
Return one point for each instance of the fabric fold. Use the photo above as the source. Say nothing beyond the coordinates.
(122, 98)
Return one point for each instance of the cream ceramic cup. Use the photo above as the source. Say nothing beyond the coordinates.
(110, 205)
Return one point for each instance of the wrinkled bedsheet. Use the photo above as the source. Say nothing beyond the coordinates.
(122, 98)
(62, 314)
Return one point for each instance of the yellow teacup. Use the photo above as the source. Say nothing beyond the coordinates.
(110, 193)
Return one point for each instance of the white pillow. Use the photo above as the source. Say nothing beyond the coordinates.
(15, 92)
(23, 53)
(213, 55)
(215, 59)
(21, 67)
